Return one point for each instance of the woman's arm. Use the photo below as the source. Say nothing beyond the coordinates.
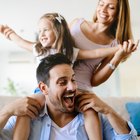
(11, 35)
(109, 64)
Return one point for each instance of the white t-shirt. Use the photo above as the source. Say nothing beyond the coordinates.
(68, 132)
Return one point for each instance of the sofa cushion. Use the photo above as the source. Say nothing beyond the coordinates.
(133, 109)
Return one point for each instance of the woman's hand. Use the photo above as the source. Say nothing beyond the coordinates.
(126, 49)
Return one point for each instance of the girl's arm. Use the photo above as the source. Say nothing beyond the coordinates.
(92, 124)
(11, 35)
(91, 118)
(109, 64)
(97, 53)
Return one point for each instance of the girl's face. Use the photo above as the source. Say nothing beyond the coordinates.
(106, 11)
(46, 33)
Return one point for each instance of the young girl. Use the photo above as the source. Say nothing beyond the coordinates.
(54, 37)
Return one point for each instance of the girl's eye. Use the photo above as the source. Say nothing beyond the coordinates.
(46, 29)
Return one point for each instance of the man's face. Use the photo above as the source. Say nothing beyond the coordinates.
(62, 88)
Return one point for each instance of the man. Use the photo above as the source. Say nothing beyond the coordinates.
(57, 82)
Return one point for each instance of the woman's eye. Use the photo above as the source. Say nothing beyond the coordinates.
(101, 3)
(111, 7)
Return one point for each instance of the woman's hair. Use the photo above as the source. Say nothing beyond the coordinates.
(64, 42)
(121, 28)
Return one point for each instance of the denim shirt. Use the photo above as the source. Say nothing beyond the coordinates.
(41, 129)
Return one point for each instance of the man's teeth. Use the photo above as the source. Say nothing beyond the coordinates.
(67, 96)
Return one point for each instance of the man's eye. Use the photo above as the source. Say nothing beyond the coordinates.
(73, 80)
(62, 83)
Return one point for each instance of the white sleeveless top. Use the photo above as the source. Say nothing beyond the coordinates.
(52, 51)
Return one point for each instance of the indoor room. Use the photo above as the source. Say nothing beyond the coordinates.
(18, 66)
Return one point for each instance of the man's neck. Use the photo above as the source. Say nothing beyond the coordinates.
(61, 118)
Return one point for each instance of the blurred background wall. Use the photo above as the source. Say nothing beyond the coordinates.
(17, 67)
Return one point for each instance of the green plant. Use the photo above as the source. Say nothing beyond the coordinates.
(11, 88)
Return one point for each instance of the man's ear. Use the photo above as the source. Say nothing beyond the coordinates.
(43, 87)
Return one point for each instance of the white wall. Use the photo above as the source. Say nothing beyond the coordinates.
(23, 16)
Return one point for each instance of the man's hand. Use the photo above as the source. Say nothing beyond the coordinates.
(24, 106)
(86, 100)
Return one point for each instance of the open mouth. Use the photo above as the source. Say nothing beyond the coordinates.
(69, 99)
(44, 39)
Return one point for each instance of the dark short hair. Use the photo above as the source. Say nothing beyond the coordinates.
(47, 63)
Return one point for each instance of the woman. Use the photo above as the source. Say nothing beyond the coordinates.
(108, 28)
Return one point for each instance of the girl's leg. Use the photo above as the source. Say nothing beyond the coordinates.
(92, 125)
(22, 127)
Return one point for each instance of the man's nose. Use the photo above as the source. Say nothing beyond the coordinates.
(71, 86)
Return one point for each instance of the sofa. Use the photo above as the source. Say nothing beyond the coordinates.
(118, 103)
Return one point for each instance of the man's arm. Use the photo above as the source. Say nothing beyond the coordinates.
(89, 100)
(4, 116)
(20, 107)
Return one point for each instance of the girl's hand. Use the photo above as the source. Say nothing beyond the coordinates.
(1, 26)
(6, 31)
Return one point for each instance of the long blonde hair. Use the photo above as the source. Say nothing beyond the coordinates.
(121, 28)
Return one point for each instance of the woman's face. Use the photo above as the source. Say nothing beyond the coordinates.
(46, 33)
(106, 11)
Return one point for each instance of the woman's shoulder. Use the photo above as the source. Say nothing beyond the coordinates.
(75, 21)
